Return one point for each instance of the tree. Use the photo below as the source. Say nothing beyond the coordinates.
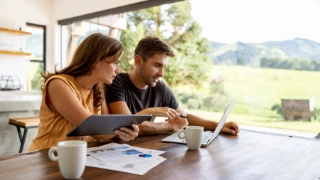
(241, 61)
(174, 25)
(36, 81)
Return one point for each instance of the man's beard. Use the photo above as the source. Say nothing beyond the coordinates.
(148, 80)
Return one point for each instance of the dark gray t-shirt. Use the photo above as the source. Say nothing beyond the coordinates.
(122, 89)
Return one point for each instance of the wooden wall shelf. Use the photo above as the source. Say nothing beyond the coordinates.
(14, 31)
(15, 53)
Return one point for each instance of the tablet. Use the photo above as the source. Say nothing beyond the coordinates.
(107, 123)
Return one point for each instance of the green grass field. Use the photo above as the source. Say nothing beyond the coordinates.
(256, 90)
(304, 126)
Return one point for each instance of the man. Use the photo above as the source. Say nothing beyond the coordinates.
(141, 92)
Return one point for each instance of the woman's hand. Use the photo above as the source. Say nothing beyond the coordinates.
(127, 134)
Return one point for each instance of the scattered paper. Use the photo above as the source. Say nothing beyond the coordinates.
(125, 158)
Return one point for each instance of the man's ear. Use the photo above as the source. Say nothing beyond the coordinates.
(138, 60)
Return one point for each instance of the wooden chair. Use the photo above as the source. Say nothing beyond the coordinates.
(25, 123)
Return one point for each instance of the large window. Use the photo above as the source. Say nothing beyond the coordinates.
(265, 56)
(110, 22)
(73, 34)
(260, 54)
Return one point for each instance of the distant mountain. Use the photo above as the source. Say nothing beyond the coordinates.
(251, 53)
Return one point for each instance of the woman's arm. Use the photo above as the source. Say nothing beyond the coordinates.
(104, 108)
(60, 98)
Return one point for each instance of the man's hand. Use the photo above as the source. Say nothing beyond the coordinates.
(230, 128)
(148, 128)
(178, 123)
(163, 112)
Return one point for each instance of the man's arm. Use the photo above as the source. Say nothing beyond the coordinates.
(228, 128)
(147, 127)
(118, 107)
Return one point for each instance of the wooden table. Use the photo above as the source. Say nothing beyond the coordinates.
(251, 155)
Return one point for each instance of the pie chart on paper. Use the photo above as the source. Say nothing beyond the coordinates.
(145, 155)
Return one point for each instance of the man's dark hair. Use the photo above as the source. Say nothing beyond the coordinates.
(151, 45)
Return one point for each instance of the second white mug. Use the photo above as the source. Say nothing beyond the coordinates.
(193, 136)
(71, 157)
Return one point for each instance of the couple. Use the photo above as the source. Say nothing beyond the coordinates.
(91, 84)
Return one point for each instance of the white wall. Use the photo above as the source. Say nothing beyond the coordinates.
(14, 14)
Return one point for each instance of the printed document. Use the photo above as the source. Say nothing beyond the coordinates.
(125, 158)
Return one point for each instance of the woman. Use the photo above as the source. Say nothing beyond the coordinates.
(74, 93)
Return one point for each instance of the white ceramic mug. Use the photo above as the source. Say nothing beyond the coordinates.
(193, 136)
(71, 157)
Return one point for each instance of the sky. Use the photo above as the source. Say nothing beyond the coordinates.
(257, 21)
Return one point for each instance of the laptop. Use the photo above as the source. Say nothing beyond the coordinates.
(107, 123)
(207, 136)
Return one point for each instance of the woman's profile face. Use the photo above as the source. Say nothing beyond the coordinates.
(107, 69)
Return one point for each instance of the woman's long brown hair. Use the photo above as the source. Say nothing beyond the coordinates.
(96, 47)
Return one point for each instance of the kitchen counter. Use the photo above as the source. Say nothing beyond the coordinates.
(20, 95)
(19, 100)
(16, 104)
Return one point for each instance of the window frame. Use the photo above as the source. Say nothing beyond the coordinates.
(44, 61)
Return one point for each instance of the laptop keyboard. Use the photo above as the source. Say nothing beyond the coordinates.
(205, 137)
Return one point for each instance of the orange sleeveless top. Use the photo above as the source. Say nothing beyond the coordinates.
(53, 126)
